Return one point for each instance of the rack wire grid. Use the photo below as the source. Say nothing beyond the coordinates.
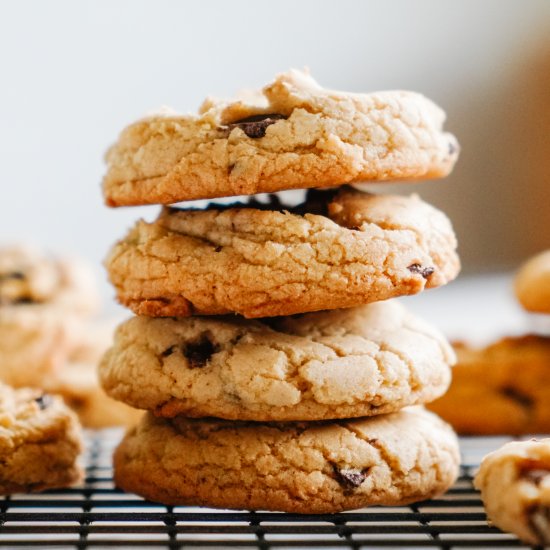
(98, 515)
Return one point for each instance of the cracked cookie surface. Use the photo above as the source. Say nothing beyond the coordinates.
(506, 386)
(293, 135)
(40, 441)
(515, 487)
(264, 263)
(347, 363)
(299, 467)
(44, 302)
(532, 284)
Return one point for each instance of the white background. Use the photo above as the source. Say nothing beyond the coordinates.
(72, 74)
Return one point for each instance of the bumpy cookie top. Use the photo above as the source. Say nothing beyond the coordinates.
(30, 278)
(294, 134)
(334, 364)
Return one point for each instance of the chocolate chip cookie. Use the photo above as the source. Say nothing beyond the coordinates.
(532, 284)
(499, 389)
(44, 303)
(40, 441)
(515, 487)
(326, 467)
(294, 134)
(338, 249)
(347, 363)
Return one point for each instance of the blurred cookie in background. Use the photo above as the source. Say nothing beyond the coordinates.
(44, 303)
(499, 389)
(532, 283)
(49, 336)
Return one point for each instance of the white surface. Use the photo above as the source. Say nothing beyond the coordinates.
(73, 74)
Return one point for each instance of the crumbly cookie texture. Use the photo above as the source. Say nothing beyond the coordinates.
(294, 134)
(347, 363)
(298, 467)
(506, 386)
(515, 487)
(40, 441)
(44, 306)
(263, 263)
(532, 284)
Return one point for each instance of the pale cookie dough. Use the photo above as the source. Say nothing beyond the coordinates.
(305, 468)
(347, 363)
(40, 442)
(515, 487)
(500, 389)
(354, 248)
(294, 134)
(44, 303)
(532, 284)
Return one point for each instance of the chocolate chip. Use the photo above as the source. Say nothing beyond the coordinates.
(539, 520)
(218, 248)
(452, 148)
(536, 476)
(424, 271)
(515, 395)
(256, 125)
(198, 353)
(349, 478)
(169, 351)
(44, 401)
(534, 470)
(12, 275)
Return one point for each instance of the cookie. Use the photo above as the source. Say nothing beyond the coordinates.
(78, 385)
(304, 468)
(339, 249)
(346, 363)
(500, 389)
(294, 134)
(40, 441)
(515, 487)
(44, 304)
(532, 284)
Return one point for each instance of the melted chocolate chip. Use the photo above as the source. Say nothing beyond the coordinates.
(349, 478)
(424, 271)
(515, 395)
(539, 521)
(198, 353)
(44, 401)
(256, 125)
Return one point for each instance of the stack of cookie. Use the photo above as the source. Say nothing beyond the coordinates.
(264, 392)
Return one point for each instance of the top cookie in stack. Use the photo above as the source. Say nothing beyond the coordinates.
(331, 249)
(292, 135)
(291, 236)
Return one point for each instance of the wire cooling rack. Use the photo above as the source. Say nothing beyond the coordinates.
(97, 515)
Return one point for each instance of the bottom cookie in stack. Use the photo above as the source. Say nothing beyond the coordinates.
(303, 467)
(283, 391)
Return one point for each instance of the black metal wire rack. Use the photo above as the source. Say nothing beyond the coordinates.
(97, 515)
